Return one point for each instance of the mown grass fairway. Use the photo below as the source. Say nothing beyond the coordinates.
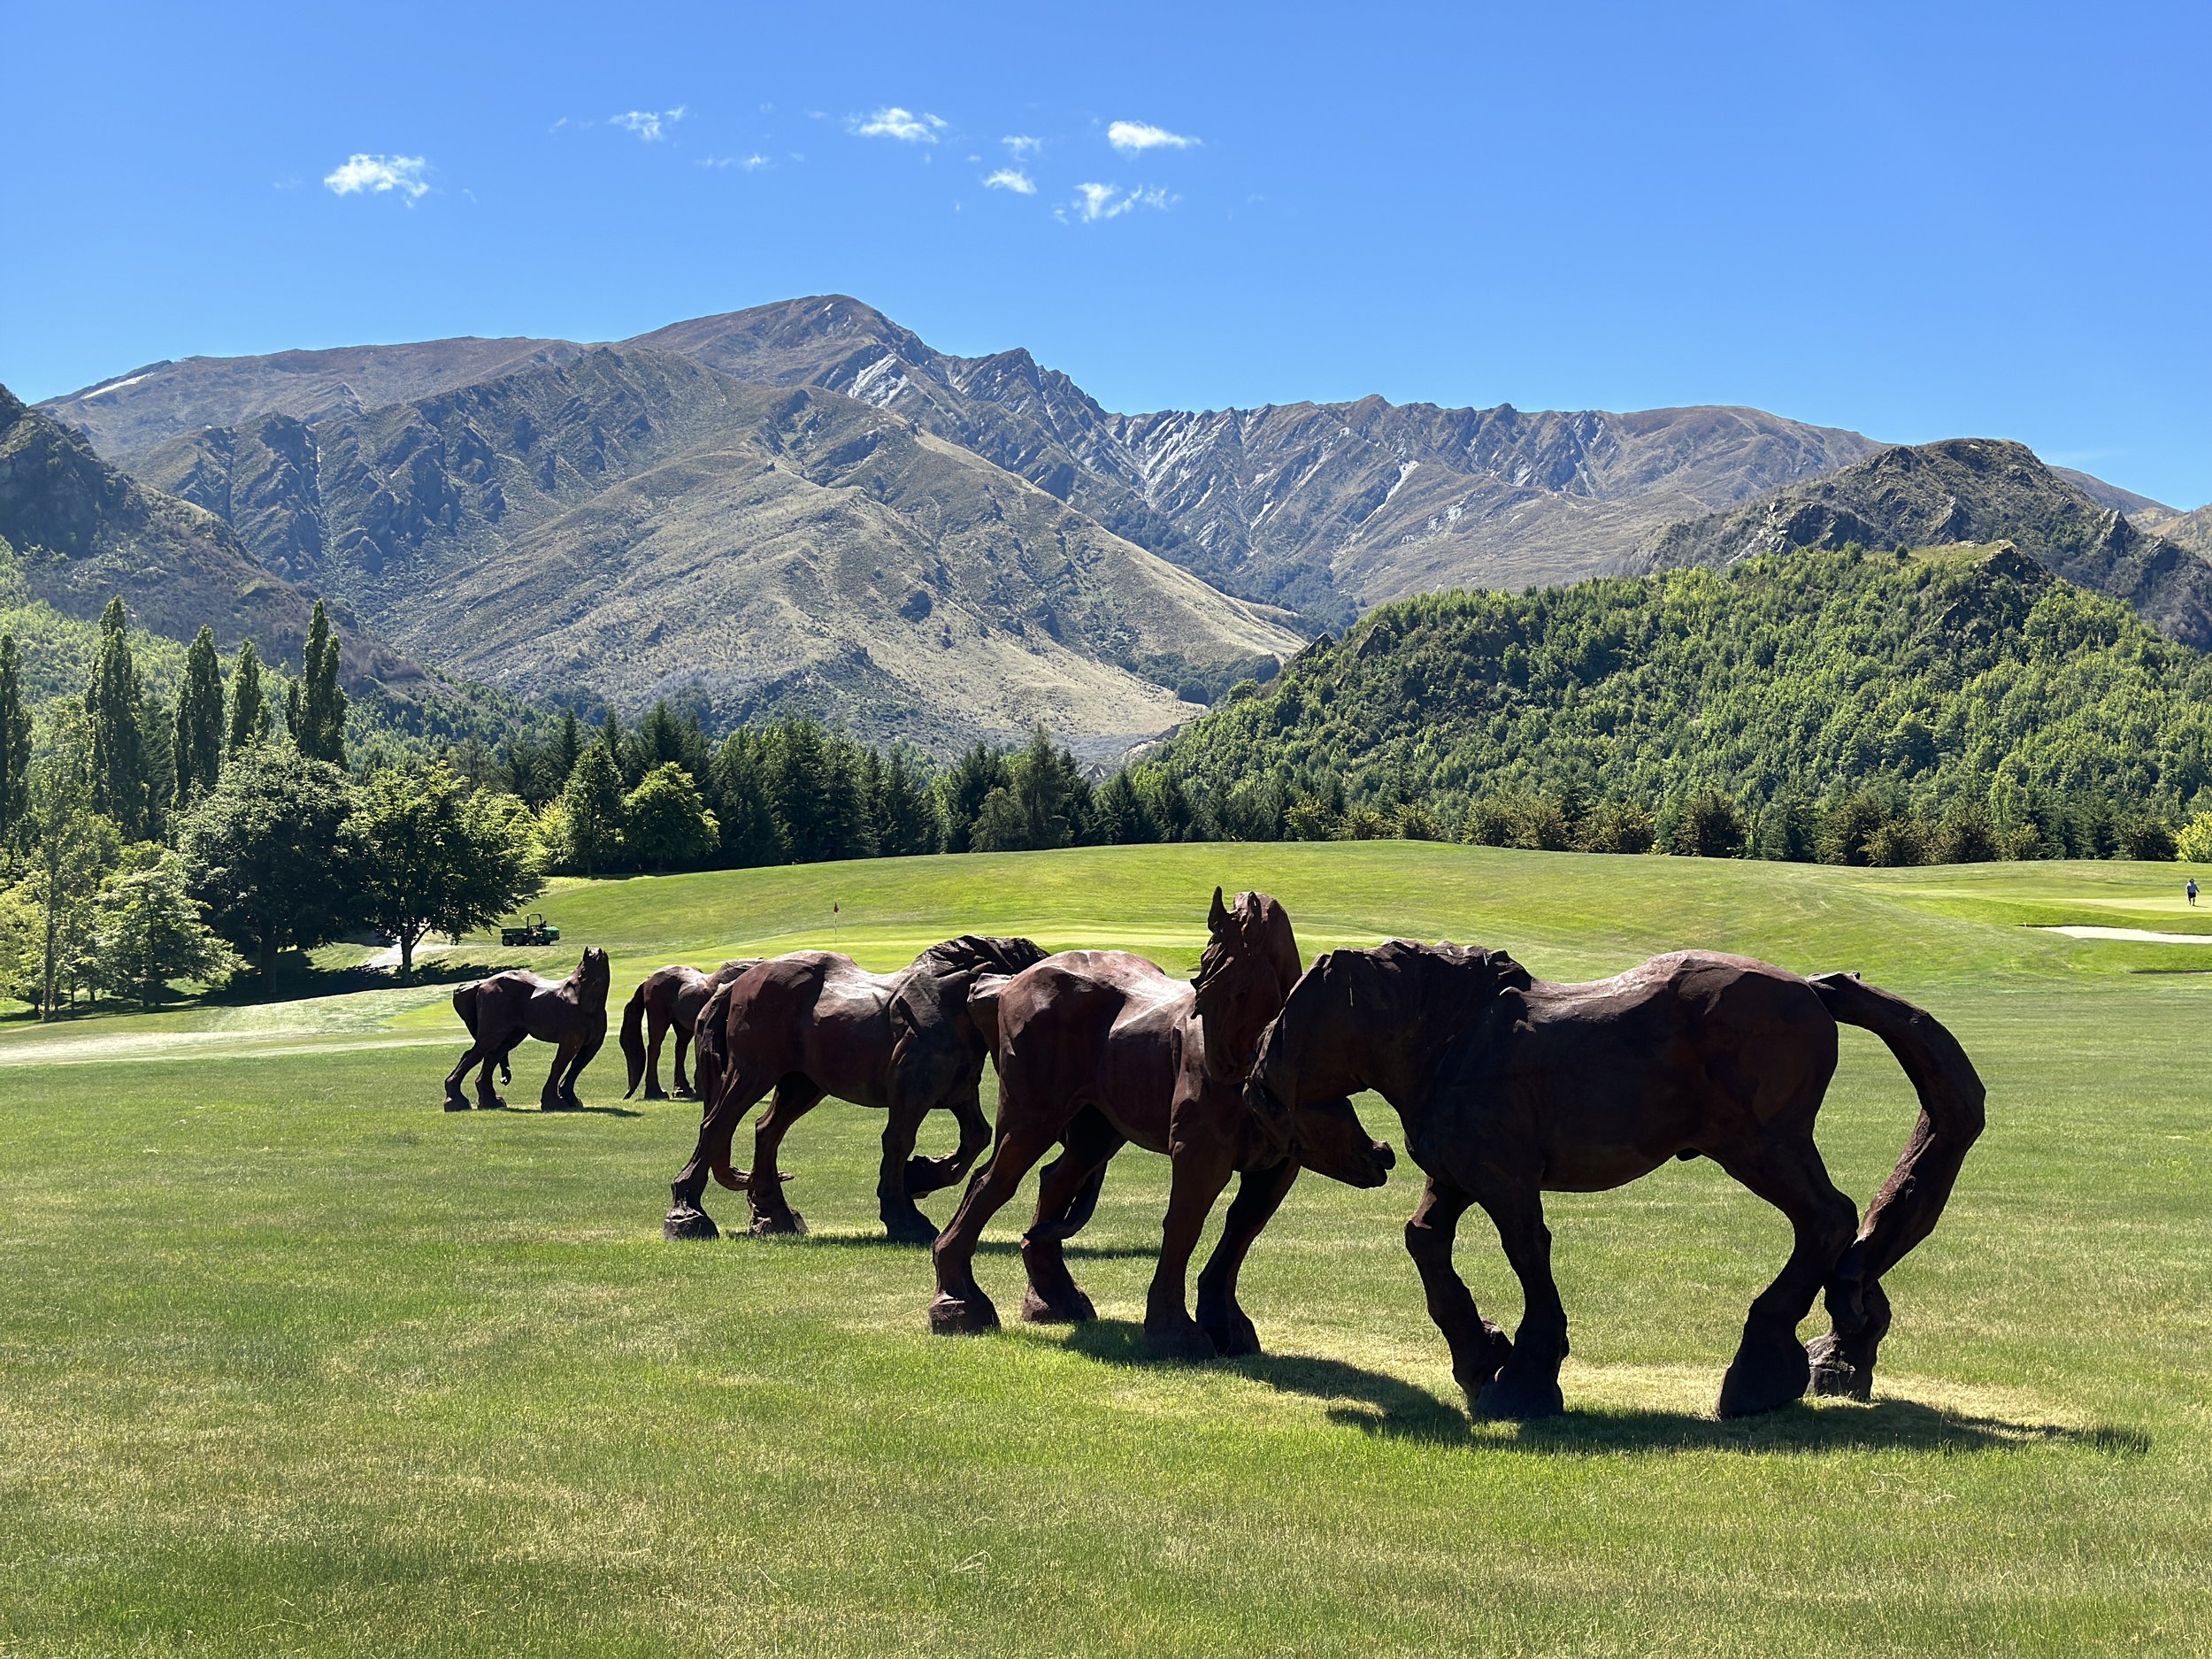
(291, 1362)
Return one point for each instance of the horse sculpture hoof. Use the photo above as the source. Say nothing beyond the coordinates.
(1764, 1377)
(1508, 1398)
(454, 1104)
(687, 1221)
(951, 1316)
(1232, 1334)
(1174, 1341)
(1835, 1374)
(777, 1223)
(921, 1235)
(1071, 1307)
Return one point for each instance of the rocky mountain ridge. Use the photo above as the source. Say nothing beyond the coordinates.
(1965, 490)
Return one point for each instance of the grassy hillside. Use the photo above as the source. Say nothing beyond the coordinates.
(1961, 675)
(294, 1362)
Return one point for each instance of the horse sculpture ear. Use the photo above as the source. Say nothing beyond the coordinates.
(1217, 918)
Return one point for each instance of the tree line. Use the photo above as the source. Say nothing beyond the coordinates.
(141, 845)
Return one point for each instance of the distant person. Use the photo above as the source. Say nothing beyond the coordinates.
(2191, 891)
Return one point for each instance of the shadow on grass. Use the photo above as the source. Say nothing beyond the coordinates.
(857, 1240)
(296, 981)
(535, 1110)
(1376, 1404)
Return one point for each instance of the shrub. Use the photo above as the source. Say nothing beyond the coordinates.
(1616, 826)
(1711, 826)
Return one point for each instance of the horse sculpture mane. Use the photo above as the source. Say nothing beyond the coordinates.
(979, 953)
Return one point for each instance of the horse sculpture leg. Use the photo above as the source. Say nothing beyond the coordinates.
(683, 1083)
(925, 1176)
(960, 1305)
(656, 1024)
(1477, 1347)
(1260, 1193)
(795, 1096)
(904, 1223)
(1527, 1384)
(735, 1096)
(549, 1098)
(1197, 1175)
(487, 1096)
(470, 1056)
(1770, 1368)
(587, 1050)
(1067, 1192)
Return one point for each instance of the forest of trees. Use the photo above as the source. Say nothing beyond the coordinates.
(1849, 706)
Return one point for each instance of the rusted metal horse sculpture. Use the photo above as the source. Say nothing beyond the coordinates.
(671, 997)
(502, 1011)
(1509, 1087)
(814, 1023)
(1095, 1048)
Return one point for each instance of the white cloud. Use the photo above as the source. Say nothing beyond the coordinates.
(751, 163)
(379, 175)
(1131, 137)
(1021, 147)
(1094, 201)
(1012, 179)
(649, 124)
(903, 125)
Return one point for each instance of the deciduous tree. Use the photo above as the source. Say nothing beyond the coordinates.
(151, 929)
(265, 852)
(430, 855)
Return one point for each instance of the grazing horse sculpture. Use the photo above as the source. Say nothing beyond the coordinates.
(1095, 1048)
(502, 1011)
(1509, 1087)
(671, 996)
(814, 1023)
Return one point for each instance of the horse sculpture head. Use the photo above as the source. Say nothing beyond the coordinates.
(1250, 965)
(1362, 1019)
(591, 977)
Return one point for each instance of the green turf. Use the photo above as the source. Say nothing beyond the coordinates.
(293, 1362)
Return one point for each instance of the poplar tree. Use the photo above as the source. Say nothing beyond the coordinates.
(249, 717)
(199, 740)
(320, 728)
(15, 741)
(114, 702)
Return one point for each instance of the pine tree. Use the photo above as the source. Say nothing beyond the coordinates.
(249, 717)
(114, 702)
(739, 785)
(905, 812)
(15, 741)
(199, 737)
(592, 804)
(320, 728)
(570, 747)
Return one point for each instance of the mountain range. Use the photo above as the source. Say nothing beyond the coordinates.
(804, 506)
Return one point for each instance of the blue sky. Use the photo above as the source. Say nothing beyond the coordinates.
(1918, 221)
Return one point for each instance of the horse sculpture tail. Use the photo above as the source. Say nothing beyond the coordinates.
(633, 1040)
(1906, 1210)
